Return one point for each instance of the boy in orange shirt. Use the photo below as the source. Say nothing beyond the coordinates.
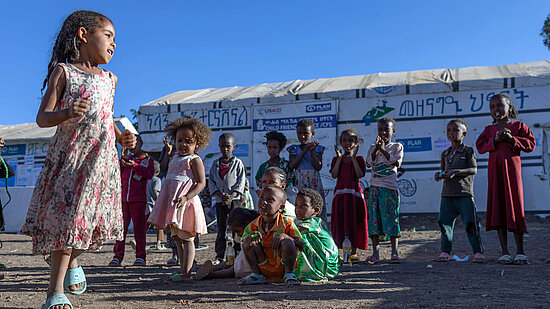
(271, 242)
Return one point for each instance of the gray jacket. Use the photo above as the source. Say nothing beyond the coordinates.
(234, 180)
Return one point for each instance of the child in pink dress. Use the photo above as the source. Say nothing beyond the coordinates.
(75, 205)
(178, 206)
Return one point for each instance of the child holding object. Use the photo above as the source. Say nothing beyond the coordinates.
(271, 242)
(136, 168)
(237, 220)
(384, 157)
(505, 140)
(75, 205)
(306, 159)
(178, 206)
(349, 210)
(458, 167)
(318, 260)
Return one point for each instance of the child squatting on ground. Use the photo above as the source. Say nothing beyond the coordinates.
(349, 210)
(271, 242)
(458, 167)
(178, 206)
(75, 205)
(505, 140)
(237, 220)
(226, 183)
(318, 260)
(136, 169)
(306, 159)
(384, 157)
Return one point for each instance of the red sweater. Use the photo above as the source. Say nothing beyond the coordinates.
(134, 178)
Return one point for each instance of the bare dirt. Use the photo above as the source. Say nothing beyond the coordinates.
(418, 282)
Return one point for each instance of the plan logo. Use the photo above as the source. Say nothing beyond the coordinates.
(313, 108)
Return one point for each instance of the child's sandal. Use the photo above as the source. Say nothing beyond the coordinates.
(253, 279)
(371, 260)
(114, 263)
(443, 257)
(290, 279)
(479, 258)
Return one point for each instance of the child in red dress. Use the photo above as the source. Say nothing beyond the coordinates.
(504, 140)
(349, 210)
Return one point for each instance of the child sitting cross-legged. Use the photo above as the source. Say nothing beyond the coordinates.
(271, 242)
(318, 260)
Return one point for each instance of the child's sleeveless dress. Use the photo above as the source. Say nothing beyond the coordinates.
(349, 209)
(179, 180)
(76, 199)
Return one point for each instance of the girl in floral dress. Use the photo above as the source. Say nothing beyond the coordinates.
(76, 203)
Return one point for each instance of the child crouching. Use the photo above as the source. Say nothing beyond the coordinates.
(318, 260)
(271, 242)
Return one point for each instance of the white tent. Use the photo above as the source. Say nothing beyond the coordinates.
(25, 150)
(422, 102)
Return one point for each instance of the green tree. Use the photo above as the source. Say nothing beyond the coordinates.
(135, 117)
(545, 32)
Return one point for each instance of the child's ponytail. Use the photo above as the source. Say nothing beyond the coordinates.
(67, 43)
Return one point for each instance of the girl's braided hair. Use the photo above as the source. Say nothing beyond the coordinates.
(67, 44)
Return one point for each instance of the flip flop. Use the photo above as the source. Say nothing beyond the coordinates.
(253, 279)
(139, 262)
(354, 259)
(290, 279)
(505, 259)
(56, 300)
(394, 259)
(74, 276)
(371, 260)
(176, 277)
(205, 270)
(443, 257)
(114, 262)
(521, 259)
(172, 262)
(479, 258)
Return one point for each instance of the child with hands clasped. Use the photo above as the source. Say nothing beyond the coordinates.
(384, 157)
(318, 260)
(505, 140)
(349, 210)
(75, 205)
(271, 242)
(178, 206)
(136, 169)
(458, 167)
(226, 183)
(306, 159)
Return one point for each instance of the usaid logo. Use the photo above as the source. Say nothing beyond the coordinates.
(269, 110)
(325, 107)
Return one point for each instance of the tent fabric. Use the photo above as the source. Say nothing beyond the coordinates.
(417, 82)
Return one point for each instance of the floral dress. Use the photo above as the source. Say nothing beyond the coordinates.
(76, 199)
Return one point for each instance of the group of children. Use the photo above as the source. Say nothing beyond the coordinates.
(78, 203)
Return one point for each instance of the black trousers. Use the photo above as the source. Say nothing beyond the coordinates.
(222, 211)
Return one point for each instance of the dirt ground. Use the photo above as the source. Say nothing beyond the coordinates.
(418, 282)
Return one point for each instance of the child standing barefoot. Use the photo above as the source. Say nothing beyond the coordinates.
(349, 211)
(383, 203)
(76, 203)
(306, 159)
(178, 206)
(505, 140)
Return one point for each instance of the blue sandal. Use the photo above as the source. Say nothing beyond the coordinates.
(290, 279)
(253, 279)
(56, 300)
(74, 276)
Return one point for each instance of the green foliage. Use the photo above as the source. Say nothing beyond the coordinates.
(545, 32)
(135, 117)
